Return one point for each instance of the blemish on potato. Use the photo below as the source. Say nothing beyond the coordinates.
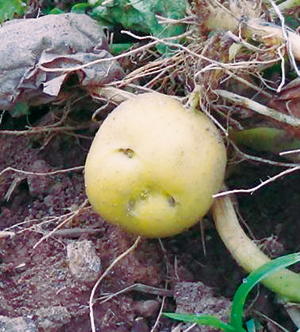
(128, 152)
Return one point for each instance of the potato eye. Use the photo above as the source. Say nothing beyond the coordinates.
(131, 205)
(171, 200)
(128, 152)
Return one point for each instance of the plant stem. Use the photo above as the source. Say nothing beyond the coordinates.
(265, 32)
(286, 283)
(259, 108)
(285, 5)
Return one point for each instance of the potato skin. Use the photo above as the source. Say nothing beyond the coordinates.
(153, 166)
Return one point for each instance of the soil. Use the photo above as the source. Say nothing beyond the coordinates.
(192, 272)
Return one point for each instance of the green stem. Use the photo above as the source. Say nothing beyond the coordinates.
(285, 282)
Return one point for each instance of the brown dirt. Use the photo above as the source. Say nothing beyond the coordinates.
(37, 282)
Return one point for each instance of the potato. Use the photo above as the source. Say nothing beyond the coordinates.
(154, 166)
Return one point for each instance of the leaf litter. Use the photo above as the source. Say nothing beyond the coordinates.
(60, 41)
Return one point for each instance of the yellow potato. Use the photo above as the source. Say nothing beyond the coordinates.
(154, 166)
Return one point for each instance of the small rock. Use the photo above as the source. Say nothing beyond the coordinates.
(17, 324)
(84, 263)
(51, 319)
(196, 297)
(146, 308)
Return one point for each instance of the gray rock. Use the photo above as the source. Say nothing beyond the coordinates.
(17, 324)
(51, 319)
(83, 261)
(28, 46)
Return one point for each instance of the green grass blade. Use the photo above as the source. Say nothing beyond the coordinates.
(237, 309)
(202, 320)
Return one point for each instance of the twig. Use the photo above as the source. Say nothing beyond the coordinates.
(285, 37)
(256, 159)
(138, 288)
(283, 153)
(217, 64)
(282, 70)
(62, 224)
(159, 314)
(190, 327)
(66, 170)
(5, 234)
(259, 108)
(262, 184)
(117, 57)
(104, 275)
(39, 130)
(251, 85)
(268, 319)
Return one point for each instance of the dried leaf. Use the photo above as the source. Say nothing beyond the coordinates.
(53, 41)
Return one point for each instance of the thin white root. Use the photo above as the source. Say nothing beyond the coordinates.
(112, 94)
(129, 250)
(262, 184)
(73, 215)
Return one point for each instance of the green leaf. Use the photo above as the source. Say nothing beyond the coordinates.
(56, 11)
(141, 16)
(80, 8)
(11, 8)
(119, 48)
(237, 309)
(199, 319)
(239, 300)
